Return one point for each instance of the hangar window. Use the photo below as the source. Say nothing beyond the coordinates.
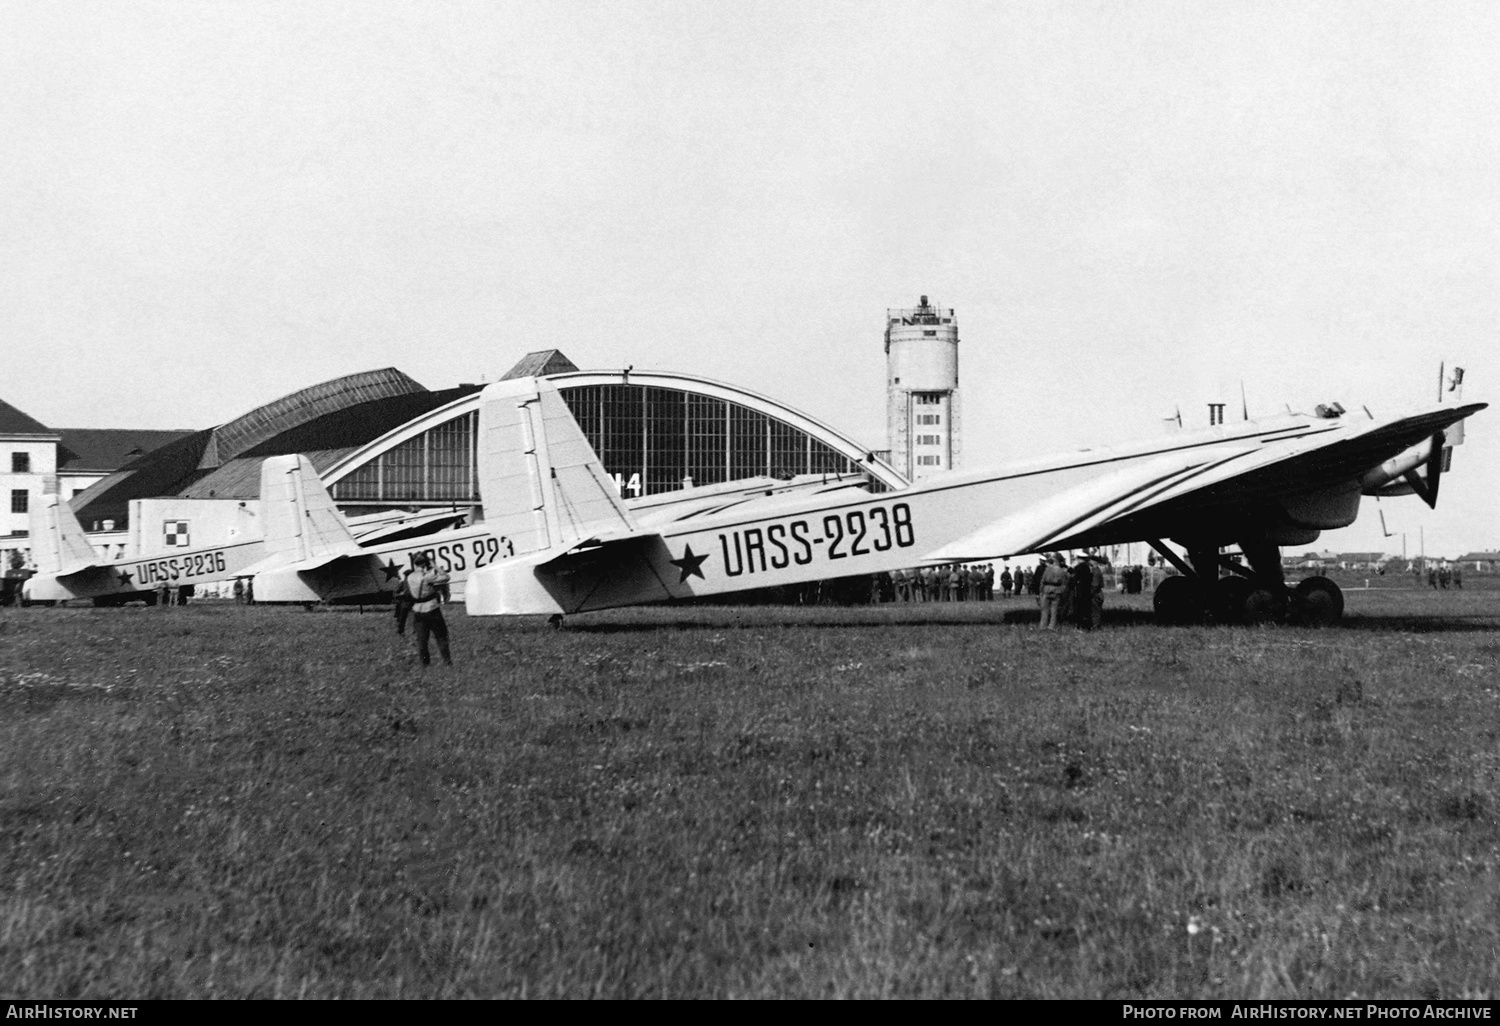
(20, 463)
(20, 500)
(436, 466)
(665, 434)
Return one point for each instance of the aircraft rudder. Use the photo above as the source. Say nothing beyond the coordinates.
(540, 481)
(301, 520)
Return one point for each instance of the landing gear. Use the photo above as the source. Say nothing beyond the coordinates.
(1177, 602)
(1228, 599)
(1266, 604)
(1317, 602)
(1254, 595)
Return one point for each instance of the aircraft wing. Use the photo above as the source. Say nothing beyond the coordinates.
(1221, 492)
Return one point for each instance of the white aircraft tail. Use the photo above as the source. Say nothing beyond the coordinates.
(58, 544)
(303, 528)
(1451, 393)
(541, 482)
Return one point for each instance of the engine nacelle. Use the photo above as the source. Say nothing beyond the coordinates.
(1289, 534)
(1378, 480)
(1324, 509)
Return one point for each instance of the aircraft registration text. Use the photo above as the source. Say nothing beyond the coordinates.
(856, 532)
(177, 568)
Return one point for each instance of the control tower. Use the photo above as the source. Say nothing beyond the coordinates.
(922, 423)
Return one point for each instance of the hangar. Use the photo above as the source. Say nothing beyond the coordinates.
(380, 440)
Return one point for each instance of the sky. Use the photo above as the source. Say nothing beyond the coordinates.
(1134, 208)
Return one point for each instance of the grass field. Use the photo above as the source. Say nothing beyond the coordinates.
(751, 802)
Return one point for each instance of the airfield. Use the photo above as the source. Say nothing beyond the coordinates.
(730, 801)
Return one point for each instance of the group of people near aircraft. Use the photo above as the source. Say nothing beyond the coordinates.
(953, 582)
(1074, 595)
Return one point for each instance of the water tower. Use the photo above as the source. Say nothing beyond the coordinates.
(922, 417)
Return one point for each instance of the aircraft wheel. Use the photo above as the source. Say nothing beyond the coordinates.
(1266, 603)
(1177, 600)
(1318, 602)
(1229, 596)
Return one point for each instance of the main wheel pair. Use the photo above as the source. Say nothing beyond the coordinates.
(1239, 600)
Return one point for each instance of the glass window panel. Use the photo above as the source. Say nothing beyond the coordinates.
(707, 439)
(747, 443)
(666, 439)
(788, 449)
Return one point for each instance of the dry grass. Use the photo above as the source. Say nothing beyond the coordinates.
(914, 801)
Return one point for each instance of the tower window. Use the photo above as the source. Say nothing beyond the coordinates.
(932, 419)
(929, 461)
(20, 500)
(20, 463)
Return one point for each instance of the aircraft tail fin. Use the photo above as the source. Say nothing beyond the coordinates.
(540, 480)
(302, 525)
(1451, 393)
(58, 544)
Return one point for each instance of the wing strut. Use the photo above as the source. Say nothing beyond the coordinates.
(1172, 557)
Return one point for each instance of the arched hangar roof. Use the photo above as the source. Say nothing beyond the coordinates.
(577, 379)
(332, 415)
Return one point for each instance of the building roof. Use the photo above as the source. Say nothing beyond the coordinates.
(15, 422)
(540, 364)
(1479, 557)
(326, 422)
(244, 433)
(240, 477)
(102, 450)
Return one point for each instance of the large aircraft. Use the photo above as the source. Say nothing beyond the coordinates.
(68, 567)
(312, 555)
(571, 545)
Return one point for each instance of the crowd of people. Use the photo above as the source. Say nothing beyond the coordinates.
(1443, 576)
(1072, 595)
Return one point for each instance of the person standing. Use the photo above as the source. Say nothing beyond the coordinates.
(1053, 584)
(1096, 596)
(401, 601)
(1080, 592)
(428, 588)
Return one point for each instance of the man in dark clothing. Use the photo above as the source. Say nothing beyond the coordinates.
(401, 602)
(428, 588)
(1081, 592)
